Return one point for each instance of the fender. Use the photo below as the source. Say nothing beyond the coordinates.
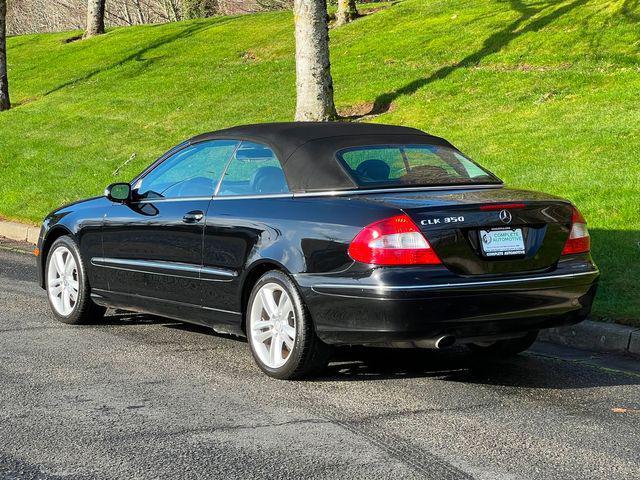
(83, 221)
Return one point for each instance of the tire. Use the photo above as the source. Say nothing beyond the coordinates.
(281, 322)
(505, 348)
(65, 273)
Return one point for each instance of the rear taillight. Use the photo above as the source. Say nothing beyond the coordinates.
(393, 241)
(579, 240)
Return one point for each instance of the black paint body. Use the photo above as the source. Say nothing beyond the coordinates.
(143, 256)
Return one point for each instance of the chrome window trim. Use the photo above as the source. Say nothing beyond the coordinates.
(177, 199)
(334, 193)
(131, 264)
(480, 283)
(324, 193)
(255, 197)
(230, 197)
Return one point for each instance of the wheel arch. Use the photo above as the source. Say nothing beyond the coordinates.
(251, 277)
(52, 235)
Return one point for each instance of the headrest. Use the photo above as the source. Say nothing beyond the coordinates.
(268, 180)
(373, 170)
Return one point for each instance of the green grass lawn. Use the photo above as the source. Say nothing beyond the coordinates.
(544, 93)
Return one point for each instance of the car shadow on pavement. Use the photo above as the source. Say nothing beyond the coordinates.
(532, 369)
(123, 318)
(528, 370)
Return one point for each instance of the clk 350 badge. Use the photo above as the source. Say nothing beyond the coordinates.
(436, 221)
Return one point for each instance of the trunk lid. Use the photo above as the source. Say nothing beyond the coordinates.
(489, 231)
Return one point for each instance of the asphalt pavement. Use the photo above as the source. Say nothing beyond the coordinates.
(139, 397)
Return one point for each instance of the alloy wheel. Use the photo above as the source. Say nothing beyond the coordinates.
(62, 281)
(273, 325)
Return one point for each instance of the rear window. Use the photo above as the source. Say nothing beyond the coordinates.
(412, 165)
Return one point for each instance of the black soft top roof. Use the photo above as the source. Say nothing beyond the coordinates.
(307, 150)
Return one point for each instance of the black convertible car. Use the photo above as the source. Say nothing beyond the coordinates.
(306, 235)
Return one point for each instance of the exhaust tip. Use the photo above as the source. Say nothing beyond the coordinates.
(445, 341)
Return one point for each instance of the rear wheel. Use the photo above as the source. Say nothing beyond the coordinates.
(508, 347)
(280, 331)
(67, 286)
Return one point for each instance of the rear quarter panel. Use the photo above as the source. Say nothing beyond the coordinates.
(298, 235)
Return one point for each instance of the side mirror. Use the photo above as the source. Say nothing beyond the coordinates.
(118, 192)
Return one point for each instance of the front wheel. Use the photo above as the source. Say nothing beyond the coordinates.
(507, 347)
(280, 331)
(67, 284)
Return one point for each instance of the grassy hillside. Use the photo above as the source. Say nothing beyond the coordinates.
(544, 93)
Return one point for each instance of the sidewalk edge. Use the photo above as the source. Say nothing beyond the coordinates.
(596, 336)
(20, 232)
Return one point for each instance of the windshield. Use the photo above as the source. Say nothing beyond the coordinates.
(412, 165)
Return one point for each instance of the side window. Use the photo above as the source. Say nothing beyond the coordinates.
(191, 172)
(254, 170)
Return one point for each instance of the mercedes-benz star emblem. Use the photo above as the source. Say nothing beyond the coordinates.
(505, 216)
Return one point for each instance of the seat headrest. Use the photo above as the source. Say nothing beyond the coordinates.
(373, 170)
(268, 180)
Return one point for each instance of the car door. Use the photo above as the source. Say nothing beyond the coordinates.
(152, 245)
(239, 221)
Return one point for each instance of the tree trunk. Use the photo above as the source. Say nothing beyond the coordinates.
(347, 12)
(5, 104)
(314, 86)
(95, 18)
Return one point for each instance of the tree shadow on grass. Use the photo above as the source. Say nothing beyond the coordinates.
(630, 9)
(617, 254)
(138, 56)
(493, 44)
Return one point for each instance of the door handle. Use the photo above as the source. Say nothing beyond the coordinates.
(193, 217)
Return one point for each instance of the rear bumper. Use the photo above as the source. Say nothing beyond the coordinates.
(414, 307)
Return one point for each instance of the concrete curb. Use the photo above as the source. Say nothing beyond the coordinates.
(597, 336)
(21, 232)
